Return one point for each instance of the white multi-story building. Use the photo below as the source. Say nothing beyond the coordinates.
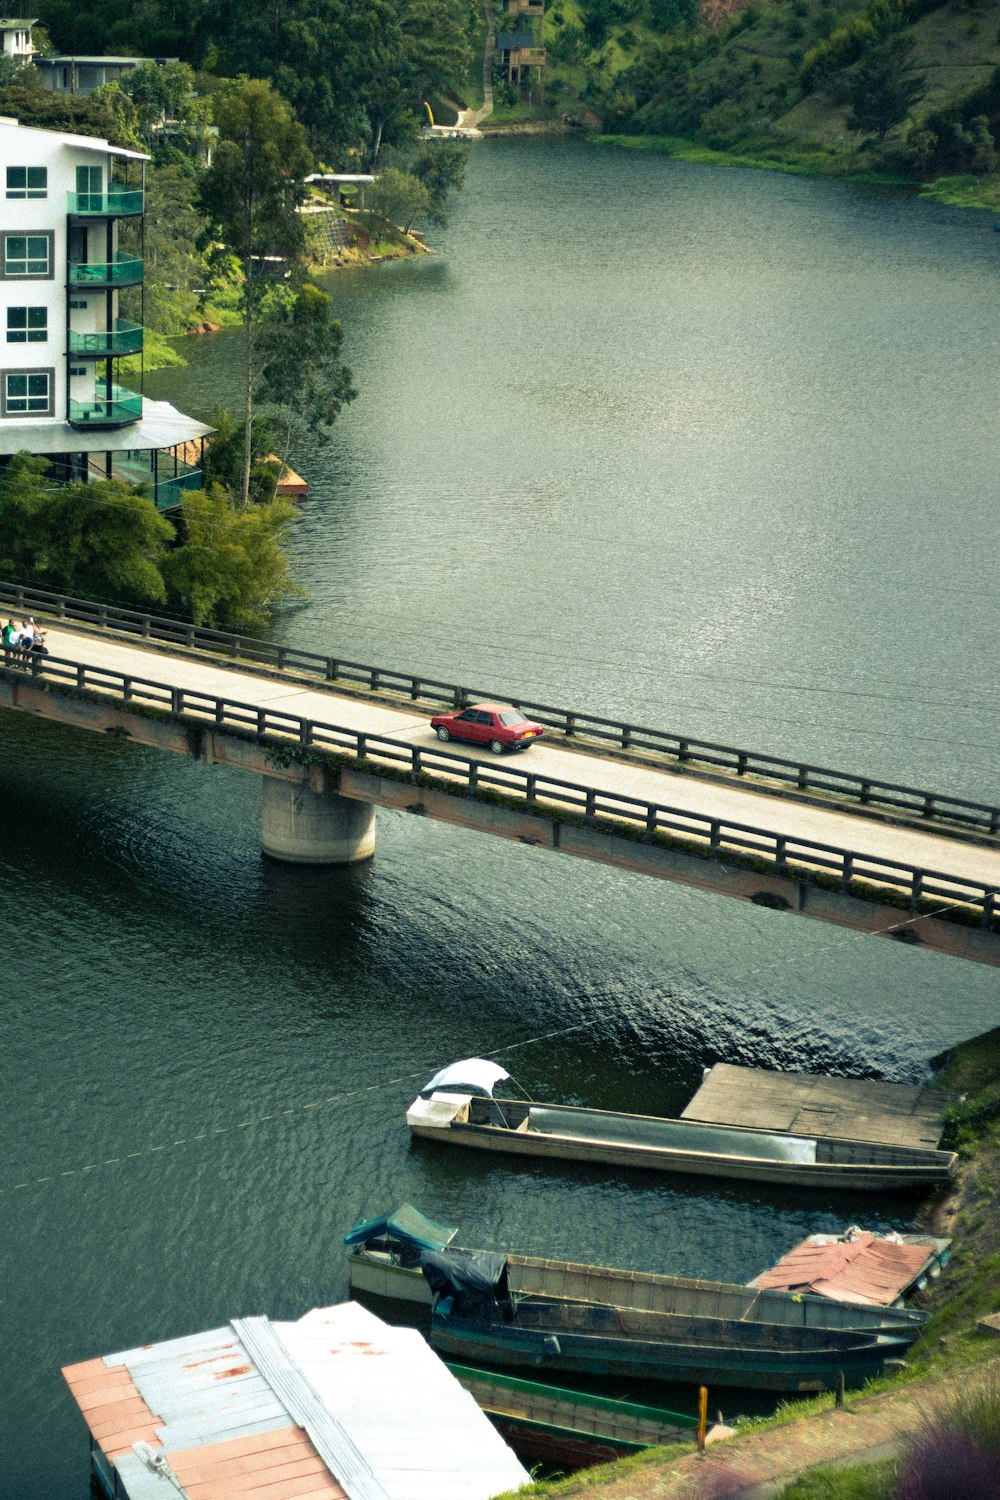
(16, 34)
(62, 200)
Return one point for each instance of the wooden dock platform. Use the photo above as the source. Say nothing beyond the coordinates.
(807, 1104)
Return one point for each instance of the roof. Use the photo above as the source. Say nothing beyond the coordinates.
(476, 1075)
(53, 59)
(160, 426)
(511, 41)
(335, 1405)
(405, 1223)
(79, 142)
(339, 177)
(855, 1267)
(17, 23)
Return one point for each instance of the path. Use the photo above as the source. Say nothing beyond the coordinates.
(468, 119)
(760, 1465)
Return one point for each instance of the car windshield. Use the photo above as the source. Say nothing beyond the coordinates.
(511, 716)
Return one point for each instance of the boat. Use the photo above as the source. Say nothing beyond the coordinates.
(387, 1251)
(551, 1424)
(458, 1107)
(810, 1345)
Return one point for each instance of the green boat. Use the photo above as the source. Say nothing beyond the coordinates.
(551, 1424)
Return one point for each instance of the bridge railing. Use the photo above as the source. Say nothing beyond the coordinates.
(247, 651)
(613, 811)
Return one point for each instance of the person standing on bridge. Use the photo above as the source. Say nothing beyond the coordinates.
(11, 641)
(27, 639)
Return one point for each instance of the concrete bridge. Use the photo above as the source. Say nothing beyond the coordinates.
(333, 740)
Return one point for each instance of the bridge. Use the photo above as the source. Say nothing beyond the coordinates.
(333, 739)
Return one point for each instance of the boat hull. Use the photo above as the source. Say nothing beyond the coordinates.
(596, 1137)
(557, 1349)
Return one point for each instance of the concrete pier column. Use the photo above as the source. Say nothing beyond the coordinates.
(303, 827)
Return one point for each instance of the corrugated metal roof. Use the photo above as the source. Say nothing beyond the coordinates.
(337, 1405)
(863, 1269)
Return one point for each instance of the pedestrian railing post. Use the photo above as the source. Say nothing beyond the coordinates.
(715, 836)
(176, 700)
(473, 776)
(570, 726)
(650, 820)
(591, 808)
(530, 783)
(261, 721)
(741, 762)
(866, 791)
(847, 872)
(81, 676)
(928, 810)
(989, 907)
(305, 732)
(917, 888)
(126, 690)
(802, 780)
(780, 852)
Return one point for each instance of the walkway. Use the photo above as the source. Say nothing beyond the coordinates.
(760, 1465)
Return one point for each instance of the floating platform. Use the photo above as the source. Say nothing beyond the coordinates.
(807, 1104)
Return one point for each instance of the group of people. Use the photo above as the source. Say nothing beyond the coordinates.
(22, 642)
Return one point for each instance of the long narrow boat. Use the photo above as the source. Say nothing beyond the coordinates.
(386, 1254)
(458, 1107)
(476, 1319)
(550, 1424)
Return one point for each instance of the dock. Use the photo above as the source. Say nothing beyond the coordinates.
(817, 1104)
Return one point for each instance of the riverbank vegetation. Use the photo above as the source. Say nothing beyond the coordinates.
(898, 90)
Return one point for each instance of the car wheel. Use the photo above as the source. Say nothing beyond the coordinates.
(496, 746)
(443, 734)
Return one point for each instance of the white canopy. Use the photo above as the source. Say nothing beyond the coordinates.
(474, 1075)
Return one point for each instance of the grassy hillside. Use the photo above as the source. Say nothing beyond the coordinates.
(904, 89)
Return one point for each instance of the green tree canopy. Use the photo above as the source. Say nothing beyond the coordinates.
(231, 568)
(101, 540)
(300, 366)
(885, 84)
(251, 192)
(440, 166)
(399, 197)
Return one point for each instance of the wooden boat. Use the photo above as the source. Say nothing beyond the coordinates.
(550, 1424)
(458, 1107)
(476, 1318)
(386, 1254)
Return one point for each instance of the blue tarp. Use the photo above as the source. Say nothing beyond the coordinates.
(405, 1224)
(472, 1283)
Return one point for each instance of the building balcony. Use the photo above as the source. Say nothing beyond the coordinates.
(124, 338)
(117, 409)
(124, 270)
(120, 203)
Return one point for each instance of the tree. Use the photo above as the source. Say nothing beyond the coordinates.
(301, 368)
(440, 166)
(174, 265)
(231, 568)
(885, 84)
(398, 197)
(251, 191)
(100, 540)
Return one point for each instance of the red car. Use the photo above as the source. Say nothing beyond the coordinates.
(495, 724)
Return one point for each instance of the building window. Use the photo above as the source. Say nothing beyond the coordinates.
(27, 182)
(27, 325)
(27, 393)
(78, 369)
(27, 255)
(78, 304)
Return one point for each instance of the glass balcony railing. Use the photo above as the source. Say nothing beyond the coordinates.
(124, 338)
(124, 270)
(119, 203)
(169, 492)
(116, 409)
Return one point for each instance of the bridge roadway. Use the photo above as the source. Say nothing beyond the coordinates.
(947, 863)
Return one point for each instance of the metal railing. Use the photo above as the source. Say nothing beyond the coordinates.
(613, 812)
(124, 270)
(246, 651)
(124, 338)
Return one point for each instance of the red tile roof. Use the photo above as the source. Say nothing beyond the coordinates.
(112, 1407)
(283, 1462)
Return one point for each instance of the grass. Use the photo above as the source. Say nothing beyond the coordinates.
(863, 1482)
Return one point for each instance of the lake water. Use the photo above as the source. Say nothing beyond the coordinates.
(713, 450)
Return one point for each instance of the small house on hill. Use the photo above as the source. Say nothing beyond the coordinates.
(16, 34)
(338, 1406)
(516, 54)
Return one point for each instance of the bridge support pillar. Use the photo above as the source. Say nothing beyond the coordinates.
(305, 827)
